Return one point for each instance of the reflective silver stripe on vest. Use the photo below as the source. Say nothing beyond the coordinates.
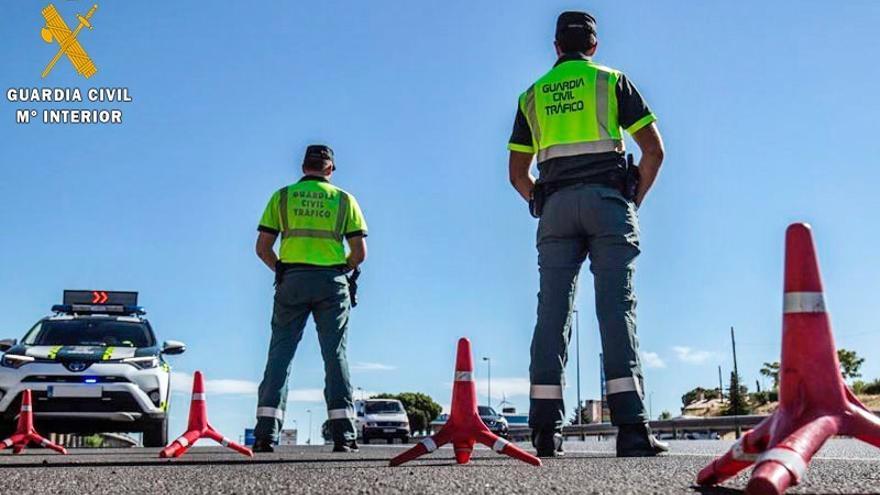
(550, 392)
(499, 445)
(602, 103)
(464, 376)
(532, 114)
(583, 148)
(339, 413)
(803, 302)
(284, 192)
(622, 385)
(341, 215)
(790, 459)
(270, 412)
(320, 234)
(429, 444)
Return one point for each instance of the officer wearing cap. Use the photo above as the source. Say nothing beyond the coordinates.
(586, 196)
(313, 217)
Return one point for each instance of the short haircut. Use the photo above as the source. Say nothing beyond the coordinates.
(576, 40)
(313, 164)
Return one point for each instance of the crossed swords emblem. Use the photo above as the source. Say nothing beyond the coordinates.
(56, 30)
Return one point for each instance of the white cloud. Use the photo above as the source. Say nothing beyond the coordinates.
(181, 383)
(362, 366)
(306, 395)
(692, 356)
(652, 360)
(509, 387)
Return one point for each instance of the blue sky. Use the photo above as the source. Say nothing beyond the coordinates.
(763, 106)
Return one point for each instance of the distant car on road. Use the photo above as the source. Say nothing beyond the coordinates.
(94, 366)
(496, 423)
(382, 418)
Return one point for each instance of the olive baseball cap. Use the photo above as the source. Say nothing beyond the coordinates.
(575, 21)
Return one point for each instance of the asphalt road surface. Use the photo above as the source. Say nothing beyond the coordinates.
(843, 466)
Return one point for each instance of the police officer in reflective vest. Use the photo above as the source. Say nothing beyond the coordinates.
(586, 196)
(313, 217)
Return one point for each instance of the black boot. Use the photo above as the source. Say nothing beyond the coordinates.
(346, 446)
(263, 445)
(548, 443)
(637, 441)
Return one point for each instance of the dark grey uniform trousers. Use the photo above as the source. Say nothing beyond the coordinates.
(323, 294)
(580, 221)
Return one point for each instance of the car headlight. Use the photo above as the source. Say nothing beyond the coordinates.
(15, 360)
(371, 425)
(143, 363)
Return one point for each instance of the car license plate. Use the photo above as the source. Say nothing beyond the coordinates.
(74, 391)
(390, 430)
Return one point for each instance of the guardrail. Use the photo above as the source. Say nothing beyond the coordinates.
(713, 423)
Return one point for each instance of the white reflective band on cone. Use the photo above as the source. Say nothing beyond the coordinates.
(552, 392)
(183, 441)
(339, 413)
(803, 302)
(26, 408)
(788, 458)
(270, 412)
(464, 376)
(429, 444)
(739, 454)
(622, 385)
(200, 396)
(499, 445)
(44, 442)
(224, 442)
(7, 442)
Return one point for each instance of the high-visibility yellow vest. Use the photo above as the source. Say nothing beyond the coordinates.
(572, 110)
(313, 217)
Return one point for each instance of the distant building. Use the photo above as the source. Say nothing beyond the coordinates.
(704, 407)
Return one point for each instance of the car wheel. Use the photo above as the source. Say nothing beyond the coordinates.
(389, 440)
(366, 440)
(404, 440)
(156, 433)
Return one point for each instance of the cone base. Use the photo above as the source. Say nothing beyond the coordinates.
(770, 478)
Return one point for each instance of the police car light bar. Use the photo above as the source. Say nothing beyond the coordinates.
(100, 298)
(98, 308)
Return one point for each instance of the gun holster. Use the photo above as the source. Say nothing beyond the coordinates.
(631, 179)
(353, 286)
(280, 268)
(536, 202)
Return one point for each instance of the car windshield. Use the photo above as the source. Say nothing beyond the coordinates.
(383, 407)
(487, 411)
(90, 332)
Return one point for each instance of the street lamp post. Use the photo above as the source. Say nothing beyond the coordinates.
(577, 344)
(489, 378)
(309, 441)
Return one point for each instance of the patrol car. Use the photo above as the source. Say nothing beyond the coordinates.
(94, 366)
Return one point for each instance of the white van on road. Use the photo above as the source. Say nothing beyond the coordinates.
(382, 418)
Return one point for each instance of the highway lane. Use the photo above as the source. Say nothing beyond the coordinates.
(843, 466)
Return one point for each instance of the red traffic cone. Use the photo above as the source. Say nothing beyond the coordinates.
(199, 427)
(464, 426)
(814, 402)
(25, 434)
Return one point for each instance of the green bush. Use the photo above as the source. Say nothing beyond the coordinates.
(871, 388)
